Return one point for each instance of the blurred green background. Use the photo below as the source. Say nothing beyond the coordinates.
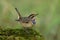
(48, 20)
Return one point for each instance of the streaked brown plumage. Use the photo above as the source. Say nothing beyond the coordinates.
(26, 21)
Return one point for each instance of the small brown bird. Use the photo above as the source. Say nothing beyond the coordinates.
(26, 22)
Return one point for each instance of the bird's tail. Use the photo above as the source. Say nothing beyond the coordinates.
(18, 13)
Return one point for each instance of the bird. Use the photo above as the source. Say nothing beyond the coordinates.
(26, 22)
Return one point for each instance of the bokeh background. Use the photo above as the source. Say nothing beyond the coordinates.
(48, 20)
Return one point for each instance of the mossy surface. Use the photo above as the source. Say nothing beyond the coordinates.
(19, 34)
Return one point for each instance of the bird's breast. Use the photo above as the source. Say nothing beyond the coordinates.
(29, 24)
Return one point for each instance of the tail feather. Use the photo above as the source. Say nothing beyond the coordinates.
(18, 12)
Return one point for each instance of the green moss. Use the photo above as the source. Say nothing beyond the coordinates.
(14, 34)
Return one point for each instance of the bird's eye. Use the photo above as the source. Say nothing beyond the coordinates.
(26, 22)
